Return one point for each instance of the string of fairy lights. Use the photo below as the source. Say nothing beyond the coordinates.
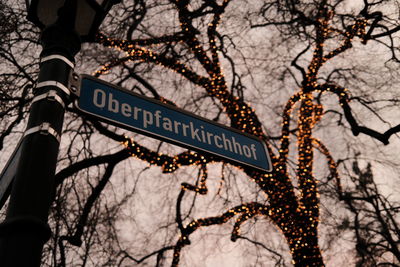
(294, 211)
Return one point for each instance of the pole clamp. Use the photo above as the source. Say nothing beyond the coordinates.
(74, 83)
(62, 58)
(59, 85)
(51, 95)
(44, 129)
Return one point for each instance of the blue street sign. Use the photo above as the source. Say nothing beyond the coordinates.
(120, 107)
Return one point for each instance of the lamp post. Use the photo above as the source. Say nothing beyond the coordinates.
(65, 24)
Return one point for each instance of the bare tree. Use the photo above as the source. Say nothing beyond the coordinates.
(374, 222)
(194, 48)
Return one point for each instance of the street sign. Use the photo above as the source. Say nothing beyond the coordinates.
(8, 174)
(123, 108)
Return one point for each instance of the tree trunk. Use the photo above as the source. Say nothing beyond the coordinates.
(306, 252)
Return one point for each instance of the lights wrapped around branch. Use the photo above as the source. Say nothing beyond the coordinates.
(168, 163)
(332, 165)
(246, 211)
(297, 216)
(201, 187)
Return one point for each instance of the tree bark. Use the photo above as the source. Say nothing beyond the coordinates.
(305, 250)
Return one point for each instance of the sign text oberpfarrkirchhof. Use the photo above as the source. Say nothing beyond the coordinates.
(118, 106)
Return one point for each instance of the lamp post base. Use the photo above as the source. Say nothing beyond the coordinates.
(23, 233)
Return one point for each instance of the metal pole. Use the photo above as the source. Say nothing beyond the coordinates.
(25, 229)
